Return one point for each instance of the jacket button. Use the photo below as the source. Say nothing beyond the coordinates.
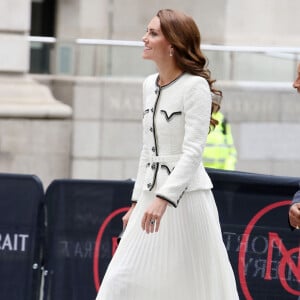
(153, 149)
(148, 164)
(152, 110)
(149, 185)
(151, 129)
(153, 166)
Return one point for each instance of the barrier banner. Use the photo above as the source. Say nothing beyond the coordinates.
(263, 250)
(84, 221)
(21, 233)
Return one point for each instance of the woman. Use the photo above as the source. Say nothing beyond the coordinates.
(172, 247)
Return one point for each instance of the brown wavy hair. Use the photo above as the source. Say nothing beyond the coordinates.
(183, 34)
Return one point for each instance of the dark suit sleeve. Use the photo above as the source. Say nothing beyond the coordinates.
(296, 198)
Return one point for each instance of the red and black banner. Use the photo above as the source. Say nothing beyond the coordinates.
(83, 221)
(263, 250)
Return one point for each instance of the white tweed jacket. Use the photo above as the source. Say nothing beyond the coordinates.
(175, 127)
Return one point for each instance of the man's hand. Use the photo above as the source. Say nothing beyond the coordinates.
(294, 215)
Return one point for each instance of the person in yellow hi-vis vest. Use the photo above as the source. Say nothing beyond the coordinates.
(220, 152)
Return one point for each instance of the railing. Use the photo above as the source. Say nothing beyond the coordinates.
(99, 57)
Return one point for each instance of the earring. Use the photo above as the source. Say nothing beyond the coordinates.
(171, 52)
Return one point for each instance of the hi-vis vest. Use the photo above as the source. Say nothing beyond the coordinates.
(220, 152)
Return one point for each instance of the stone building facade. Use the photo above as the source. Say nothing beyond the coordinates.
(66, 126)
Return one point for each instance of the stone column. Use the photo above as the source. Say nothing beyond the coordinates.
(14, 27)
(34, 127)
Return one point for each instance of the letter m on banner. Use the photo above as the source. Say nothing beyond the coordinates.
(286, 259)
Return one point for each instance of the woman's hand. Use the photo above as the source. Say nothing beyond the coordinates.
(153, 214)
(126, 217)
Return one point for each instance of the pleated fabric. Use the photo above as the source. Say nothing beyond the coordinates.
(186, 259)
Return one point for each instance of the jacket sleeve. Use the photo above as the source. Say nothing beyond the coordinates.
(197, 111)
(138, 186)
(296, 198)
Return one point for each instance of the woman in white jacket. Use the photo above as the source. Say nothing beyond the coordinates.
(172, 247)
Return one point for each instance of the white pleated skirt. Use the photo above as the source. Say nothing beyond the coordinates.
(186, 259)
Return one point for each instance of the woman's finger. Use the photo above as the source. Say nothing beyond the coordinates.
(143, 223)
(152, 223)
(157, 223)
(148, 223)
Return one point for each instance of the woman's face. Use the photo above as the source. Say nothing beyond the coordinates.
(157, 48)
(296, 84)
